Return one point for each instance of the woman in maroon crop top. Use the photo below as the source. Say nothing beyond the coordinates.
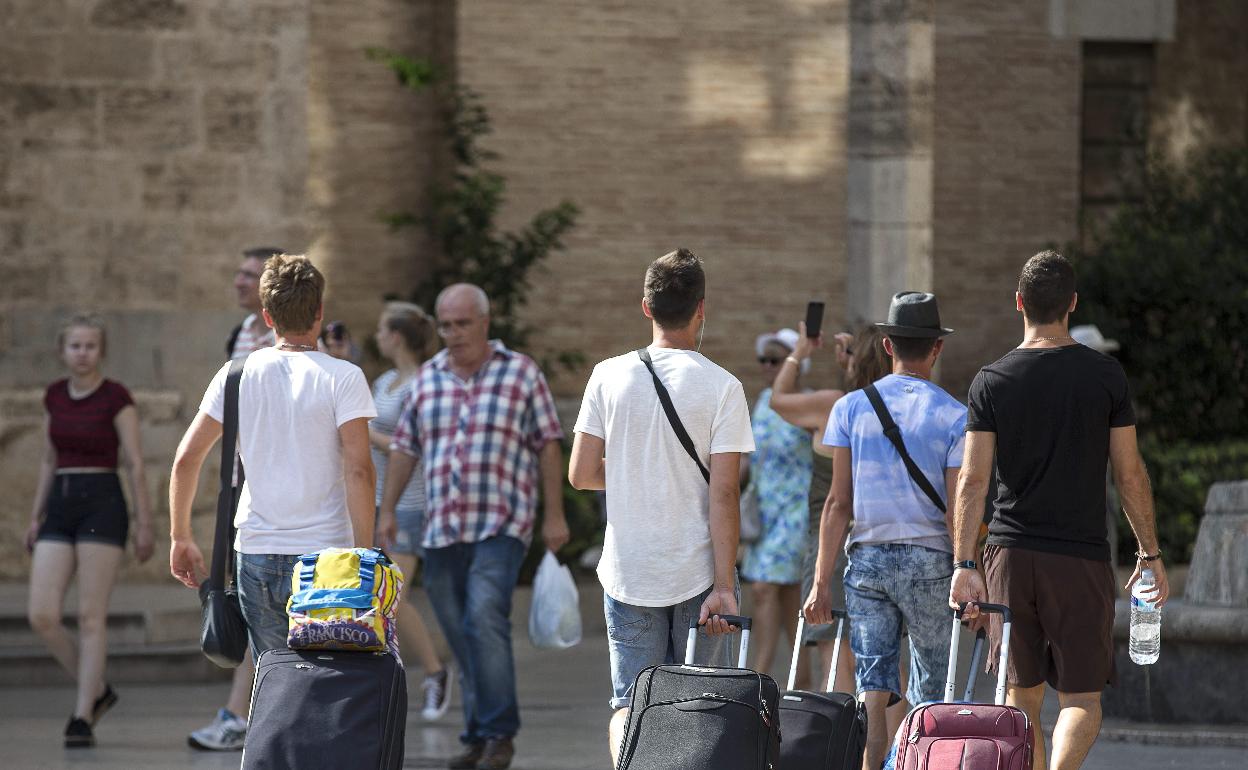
(79, 519)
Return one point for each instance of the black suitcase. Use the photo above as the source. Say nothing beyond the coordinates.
(822, 730)
(313, 708)
(690, 717)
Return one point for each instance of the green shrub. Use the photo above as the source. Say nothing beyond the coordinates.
(465, 205)
(1182, 473)
(1169, 281)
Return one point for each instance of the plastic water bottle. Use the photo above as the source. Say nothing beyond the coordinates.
(1145, 622)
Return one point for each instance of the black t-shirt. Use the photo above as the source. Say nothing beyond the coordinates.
(1052, 409)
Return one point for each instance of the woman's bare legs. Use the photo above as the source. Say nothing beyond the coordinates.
(52, 567)
(790, 599)
(97, 572)
(766, 630)
(414, 635)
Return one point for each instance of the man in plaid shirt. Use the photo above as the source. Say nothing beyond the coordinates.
(482, 420)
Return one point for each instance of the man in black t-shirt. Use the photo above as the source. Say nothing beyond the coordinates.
(1054, 412)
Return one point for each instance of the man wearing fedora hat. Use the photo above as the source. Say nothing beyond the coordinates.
(896, 449)
(1053, 412)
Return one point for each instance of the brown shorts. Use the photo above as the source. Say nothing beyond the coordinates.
(1063, 612)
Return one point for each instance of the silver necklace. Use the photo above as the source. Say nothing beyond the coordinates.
(295, 346)
(1049, 339)
(909, 373)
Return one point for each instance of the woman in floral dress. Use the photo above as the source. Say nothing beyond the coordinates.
(780, 470)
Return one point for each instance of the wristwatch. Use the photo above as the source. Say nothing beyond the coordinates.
(1142, 556)
(968, 564)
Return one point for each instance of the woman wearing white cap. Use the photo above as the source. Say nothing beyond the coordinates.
(780, 468)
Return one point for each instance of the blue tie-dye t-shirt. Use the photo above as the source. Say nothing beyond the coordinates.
(888, 506)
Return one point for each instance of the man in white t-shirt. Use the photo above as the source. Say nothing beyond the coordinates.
(228, 729)
(303, 437)
(671, 544)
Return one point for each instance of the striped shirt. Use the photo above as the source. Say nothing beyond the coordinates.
(252, 335)
(389, 405)
(479, 442)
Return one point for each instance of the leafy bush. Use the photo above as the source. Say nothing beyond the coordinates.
(1169, 280)
(462, 219)
(1182, 473)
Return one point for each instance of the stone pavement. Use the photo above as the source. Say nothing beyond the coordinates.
(563, 707)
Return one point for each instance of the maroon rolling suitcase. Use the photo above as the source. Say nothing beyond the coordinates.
(968, 736)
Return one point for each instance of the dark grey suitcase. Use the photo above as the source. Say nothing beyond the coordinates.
(312, 708)
(822, 730)
(691, 717)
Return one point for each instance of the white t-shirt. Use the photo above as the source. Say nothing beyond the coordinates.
(290, 406)
(657, 551)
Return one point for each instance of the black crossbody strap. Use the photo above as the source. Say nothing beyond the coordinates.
(666, 400)
(894, 435)
(227, 498)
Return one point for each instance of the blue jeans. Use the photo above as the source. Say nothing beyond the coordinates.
(263, 590)
(470, 587)
(640, 637)
(884, 584)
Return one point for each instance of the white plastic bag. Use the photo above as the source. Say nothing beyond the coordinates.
(555, 615)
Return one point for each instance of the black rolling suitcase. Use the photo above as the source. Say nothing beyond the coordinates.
(691, 717)
(822, 730)
(315, 708)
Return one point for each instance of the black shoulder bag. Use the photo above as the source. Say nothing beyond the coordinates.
(223, 633)
(666, 400)
(894, 435)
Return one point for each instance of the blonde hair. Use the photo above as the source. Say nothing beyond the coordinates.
(411, 322)
(290, 292)
(82, 321)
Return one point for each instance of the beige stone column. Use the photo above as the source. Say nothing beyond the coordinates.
(889, 152)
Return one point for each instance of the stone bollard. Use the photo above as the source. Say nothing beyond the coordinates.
(1202, 675)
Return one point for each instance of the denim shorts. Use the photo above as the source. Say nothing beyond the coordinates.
(640, 637)
(263, 590)
(886, 585)
(86, 508)
(411, 531)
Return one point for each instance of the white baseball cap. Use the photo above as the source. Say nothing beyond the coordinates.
(1091, 336)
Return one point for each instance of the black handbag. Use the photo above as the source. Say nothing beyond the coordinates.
(223, 632)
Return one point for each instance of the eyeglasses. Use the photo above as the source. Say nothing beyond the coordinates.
(769, 361)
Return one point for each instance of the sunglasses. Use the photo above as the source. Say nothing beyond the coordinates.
(769, 361)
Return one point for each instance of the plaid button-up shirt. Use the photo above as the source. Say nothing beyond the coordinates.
(478, 442)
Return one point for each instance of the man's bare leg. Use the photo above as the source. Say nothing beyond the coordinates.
(239, 703)
(1076, 730)
(877, 731)
(615, 734)
(1030, 699)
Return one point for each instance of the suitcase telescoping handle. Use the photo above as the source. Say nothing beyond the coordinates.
(740, 621)
(1004, 612)
(836, 651)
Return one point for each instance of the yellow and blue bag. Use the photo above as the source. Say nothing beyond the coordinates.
(344, 599)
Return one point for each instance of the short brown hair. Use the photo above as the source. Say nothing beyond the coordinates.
(411, 322)
(290, 292)
(1047, 284)
(675, 284)
(83, 321)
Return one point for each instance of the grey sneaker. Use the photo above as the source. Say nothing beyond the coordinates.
(437, 689)
(226, 733)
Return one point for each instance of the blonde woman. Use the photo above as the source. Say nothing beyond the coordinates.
(403, 334)
(79, 521)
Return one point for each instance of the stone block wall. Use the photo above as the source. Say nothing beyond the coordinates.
(720, 128)
(1006, 169)
(143, 144)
